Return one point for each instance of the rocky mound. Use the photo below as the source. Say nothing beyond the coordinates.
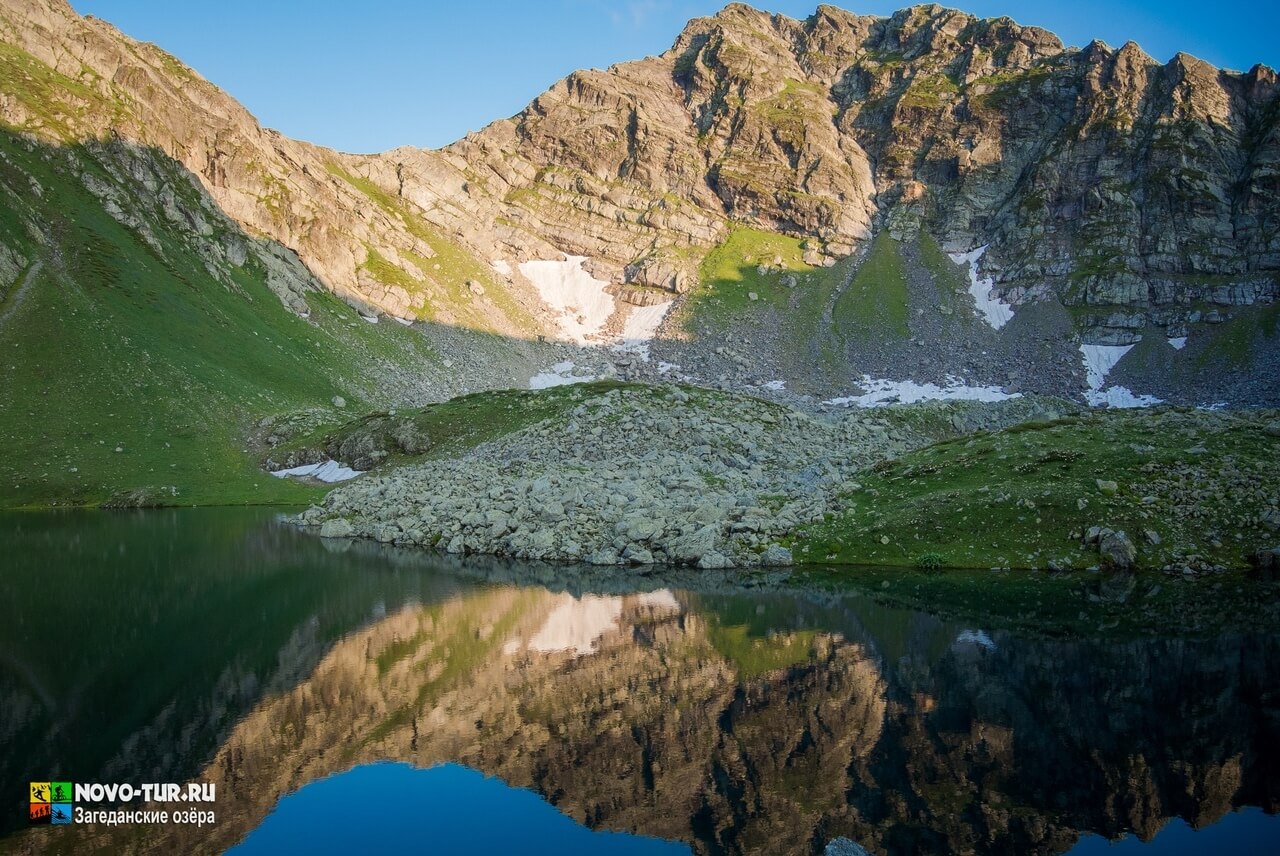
(645, 475)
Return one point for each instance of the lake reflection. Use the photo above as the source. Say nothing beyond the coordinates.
(219, 646)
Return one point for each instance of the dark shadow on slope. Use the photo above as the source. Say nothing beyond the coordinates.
(152, 337)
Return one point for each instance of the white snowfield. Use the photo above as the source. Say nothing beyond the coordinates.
(881, 392)
(583, 307)
(576, 625)
(502, 266)
(579, 298)
(1178, 343)
(991, 309)
(640, 328)
(328, 471)
(1099, 360)
(561, 374)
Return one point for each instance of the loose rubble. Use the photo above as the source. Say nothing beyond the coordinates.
(647, 475)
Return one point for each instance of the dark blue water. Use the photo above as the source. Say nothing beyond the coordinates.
(348, 697)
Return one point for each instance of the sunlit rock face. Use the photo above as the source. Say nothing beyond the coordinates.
(766, 723)
(1098, 176)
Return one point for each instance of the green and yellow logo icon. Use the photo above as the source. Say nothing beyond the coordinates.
(51, 802)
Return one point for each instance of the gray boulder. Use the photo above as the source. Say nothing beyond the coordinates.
(338, 527)
(1117, 550)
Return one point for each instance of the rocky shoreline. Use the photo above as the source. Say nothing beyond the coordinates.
(644, 475)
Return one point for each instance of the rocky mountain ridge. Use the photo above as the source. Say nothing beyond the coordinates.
(1097, 173)
(791, 185)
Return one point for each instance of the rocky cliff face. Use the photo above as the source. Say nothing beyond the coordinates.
(1140, 196)
(1098, 176)
(70, 79)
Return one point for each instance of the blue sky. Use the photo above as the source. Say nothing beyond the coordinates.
(371, 75)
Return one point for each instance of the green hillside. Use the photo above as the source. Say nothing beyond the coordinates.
(130, 373)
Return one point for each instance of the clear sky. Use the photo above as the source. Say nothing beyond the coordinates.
(370, 75)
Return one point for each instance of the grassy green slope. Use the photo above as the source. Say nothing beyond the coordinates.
(876, 303)
(1022, 497)
(125, 369)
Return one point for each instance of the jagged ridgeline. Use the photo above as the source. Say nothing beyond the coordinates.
(171, 272)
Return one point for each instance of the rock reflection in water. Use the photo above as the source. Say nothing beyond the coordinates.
(737, 721)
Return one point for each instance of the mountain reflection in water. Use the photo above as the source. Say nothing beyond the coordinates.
(220, 646)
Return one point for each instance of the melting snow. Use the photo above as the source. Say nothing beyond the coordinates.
(640, 328)
(576, 295)
(501, 266)
(881, 392)
(1179, 343)
(992, 309)
(408, 322)
(1099, 360)
(372, 319)
(575, 625)
(560, 374)
(776, 385)
(663, 368)
(329, 471)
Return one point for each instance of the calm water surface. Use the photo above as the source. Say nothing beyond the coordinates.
(350, 697)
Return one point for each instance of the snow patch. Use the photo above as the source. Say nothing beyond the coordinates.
(1099, 360)
(408, 322)
(663, 368)
(576, 625)
(561, 374)
(501, 266)
(775, 385)
(1178, 343)
(991, 308)
(579, 298)
(640, 328)
(881, 392)
(372, 319)
(328, 471)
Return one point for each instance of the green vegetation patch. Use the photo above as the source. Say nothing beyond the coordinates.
(876, 303)
(749, 261)
(1200, 484)
(57, 102)
(442, 430)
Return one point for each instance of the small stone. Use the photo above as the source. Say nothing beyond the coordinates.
(339, 401)
(1107, 488)
(1152, 536)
